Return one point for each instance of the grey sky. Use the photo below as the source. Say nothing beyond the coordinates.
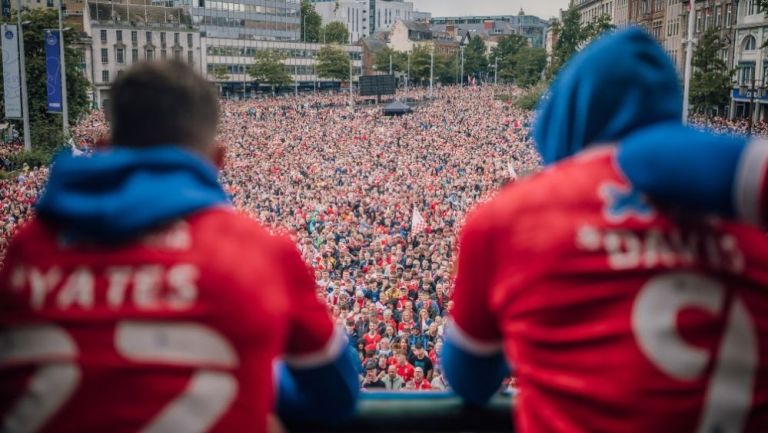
(542, 8)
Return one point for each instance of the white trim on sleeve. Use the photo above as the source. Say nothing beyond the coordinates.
(329, 353)
(470, 344)
(749, 181)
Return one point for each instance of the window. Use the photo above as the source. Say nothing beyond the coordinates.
(177, 54)
(189, 40)
(120, 56)
(176, 39)
(105, 76)
(719, 16)
(163, 53)
(750, 43)
(728, 15)
(119, 35)
(135, 37)
(104, 56)
(746, 73)
(149, 37)
(162, 38)
(135, 55)
(150, 55)
(103, 34)
(191, 57)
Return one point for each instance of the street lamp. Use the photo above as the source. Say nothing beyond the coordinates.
(755, 88)
(24, 96)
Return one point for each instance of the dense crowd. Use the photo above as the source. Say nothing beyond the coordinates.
(374, 204)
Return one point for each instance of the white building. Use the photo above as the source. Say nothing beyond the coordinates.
(750, 62)
(236, 55)
(124, 34)
(364, 17)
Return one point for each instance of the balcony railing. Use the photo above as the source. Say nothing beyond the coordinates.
(419, 412)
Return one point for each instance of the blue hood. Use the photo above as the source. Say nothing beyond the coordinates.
(117, 195)
(622, 82)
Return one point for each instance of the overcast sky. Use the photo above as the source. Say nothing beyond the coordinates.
(542, 8)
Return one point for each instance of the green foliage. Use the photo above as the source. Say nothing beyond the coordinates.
(220, 73)
(333, 63)
(421, 58)
(710, 83)
(46, 129)
(572, 35)
(268, 68)
(475, 59)
(381, 61)
(310, 22)
(518, 62)
(529, 64)
(531, 98)
(335, 33)
(35, 158)
(446, 68)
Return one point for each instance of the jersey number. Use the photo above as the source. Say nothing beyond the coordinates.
(207, 396)
(654, 321)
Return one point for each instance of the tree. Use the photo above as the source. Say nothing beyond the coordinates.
(268, 68)
(505, 55)
(710, 83)
(446, 68)
(220, 74)
(475, 59)
(310, 22)
(335, 33)
(381, 61)
(572, 35)
(45, 127)
(333, 63)
(421, 58)
(529, 64)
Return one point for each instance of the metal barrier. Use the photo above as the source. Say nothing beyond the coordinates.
(419, 412)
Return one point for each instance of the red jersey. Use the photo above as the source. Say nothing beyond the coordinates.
(615, 316)
(422, 385)
(405, 371)
(175, 332)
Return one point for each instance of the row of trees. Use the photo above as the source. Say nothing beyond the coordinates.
(269, 68)
(517, 62)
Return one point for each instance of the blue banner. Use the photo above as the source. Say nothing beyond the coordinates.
(53, 70)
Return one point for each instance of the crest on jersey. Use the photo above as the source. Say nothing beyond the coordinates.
(621, 202)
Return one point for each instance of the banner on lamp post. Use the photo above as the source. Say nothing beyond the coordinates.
(53, 70)
(11, 71)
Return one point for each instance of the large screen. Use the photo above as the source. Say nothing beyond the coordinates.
(374, 85)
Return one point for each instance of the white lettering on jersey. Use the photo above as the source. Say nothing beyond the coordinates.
(730, 390)
(78, 290)
(41, 284)
(655, 248)
(146, 288)
(118, 279)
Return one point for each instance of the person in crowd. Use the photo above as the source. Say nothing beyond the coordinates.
(137, 275)
(551, 280)
(373, 379)
(419, 358)
(393, 381)
(419, 382)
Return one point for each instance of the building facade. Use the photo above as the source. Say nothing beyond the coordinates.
(529, 26)
(236, 55)
(276, 20)
(750, 62)
(365, 17)
(123, 34)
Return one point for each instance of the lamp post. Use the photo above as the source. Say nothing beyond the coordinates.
(688, 61)
(496, 71)
(462, 65)
(408, 77)
(64, 105)
(754, 88)
(431, 71)
(24, 96)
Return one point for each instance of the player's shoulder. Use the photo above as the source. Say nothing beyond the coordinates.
(569, 183)
(229, 232)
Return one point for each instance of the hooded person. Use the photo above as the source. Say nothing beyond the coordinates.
(155, 286)
(577, 280)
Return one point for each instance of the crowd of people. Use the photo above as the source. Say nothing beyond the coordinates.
(374, 204)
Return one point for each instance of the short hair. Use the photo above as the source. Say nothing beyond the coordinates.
(162, 103)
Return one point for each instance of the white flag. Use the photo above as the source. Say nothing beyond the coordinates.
(511, 170)
(418, 224)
